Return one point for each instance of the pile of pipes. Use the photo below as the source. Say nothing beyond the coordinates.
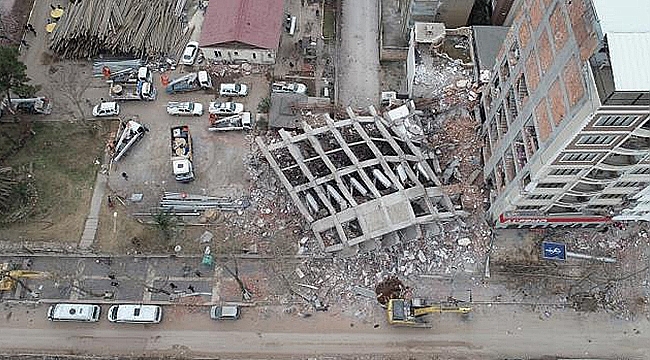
(182, 203)
(115, 65)
(142, 28)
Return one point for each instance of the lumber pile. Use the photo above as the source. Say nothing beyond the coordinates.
(142, 28)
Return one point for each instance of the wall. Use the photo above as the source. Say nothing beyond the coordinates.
(229, 54)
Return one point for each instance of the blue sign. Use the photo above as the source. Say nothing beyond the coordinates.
(553, 251)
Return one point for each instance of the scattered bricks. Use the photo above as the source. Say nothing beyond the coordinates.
(544, 51)
(573, 82)
(584, 33)
(543, 123)
(558, 110)
(536, 12)
(532, 71)
(524, 34)
(559, 28)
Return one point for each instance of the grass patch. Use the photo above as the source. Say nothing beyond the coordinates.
(329, 24)
(61, 157)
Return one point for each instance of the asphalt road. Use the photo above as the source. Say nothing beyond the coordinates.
(490, 333)
(358, 63)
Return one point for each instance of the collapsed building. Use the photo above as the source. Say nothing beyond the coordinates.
(361, 179)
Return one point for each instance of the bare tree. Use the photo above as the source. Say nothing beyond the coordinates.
(71, 82)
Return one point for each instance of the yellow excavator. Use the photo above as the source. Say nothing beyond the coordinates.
(402, 312)
(9, 278)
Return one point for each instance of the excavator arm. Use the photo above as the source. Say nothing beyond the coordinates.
(441, 308)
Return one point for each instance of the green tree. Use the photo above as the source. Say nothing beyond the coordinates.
(166, 222)
(13, 76)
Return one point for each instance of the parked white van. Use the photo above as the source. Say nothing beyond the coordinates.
(74, 312)
(139, 314)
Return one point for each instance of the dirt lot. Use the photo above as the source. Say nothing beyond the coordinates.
(218, 159)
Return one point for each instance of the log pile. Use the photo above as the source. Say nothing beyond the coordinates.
(142, 28)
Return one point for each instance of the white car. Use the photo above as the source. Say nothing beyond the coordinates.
(284, 87)
(190, 53)
(225, 108)
(135, 314)
(109, 108)
(184, 108)
(226, 312)
(233, 90)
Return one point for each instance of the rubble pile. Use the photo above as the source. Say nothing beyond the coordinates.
(437, 76)
(445, 250)
(458, 147)
(230, 72)
(271, 208)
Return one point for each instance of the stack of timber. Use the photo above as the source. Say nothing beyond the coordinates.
(142, 28)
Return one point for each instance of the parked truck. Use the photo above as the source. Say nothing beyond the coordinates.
(132, 75)
(241, 121)
(37, 105)
(191, 82)
(129, 134)
(181, 142)
(142, 90)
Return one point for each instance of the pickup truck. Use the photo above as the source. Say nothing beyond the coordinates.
(181, 142)
(142, 90)
(241, 121)
(191, 82)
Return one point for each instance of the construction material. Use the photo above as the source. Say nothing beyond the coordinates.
(182, 202)
(144, 28)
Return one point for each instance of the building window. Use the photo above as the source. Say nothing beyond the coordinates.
(236, 53)
(611, 196)
(514, 53)
(596, 140)
(505, 70)
(529, 207)
(539, 197)
(616, 120)
(254, 56)
(554, 185)
(565, 172)
(623, 184)
(578, 157)
(522, 89)
(512, 105)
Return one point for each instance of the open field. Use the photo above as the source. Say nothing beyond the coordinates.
(62, 158)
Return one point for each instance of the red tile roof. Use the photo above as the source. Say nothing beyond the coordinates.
(253, 22)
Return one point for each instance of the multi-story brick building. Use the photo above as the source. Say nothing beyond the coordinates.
(566, 114)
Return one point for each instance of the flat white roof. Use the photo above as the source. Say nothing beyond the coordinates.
(623, 15)
(627, 28)
(629, 54)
